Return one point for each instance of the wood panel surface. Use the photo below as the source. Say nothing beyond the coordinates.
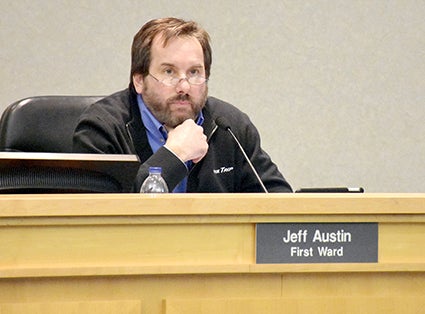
(127, 253)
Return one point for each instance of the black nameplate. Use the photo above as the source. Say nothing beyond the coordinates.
(316, 243)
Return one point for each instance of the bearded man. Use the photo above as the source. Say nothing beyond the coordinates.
(168, 120)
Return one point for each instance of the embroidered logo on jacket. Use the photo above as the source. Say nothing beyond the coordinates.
(222, 170)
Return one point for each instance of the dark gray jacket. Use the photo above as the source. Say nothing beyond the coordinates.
(113, 126)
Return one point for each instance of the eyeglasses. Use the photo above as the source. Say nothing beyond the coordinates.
(173, 81)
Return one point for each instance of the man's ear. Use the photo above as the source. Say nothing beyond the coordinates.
(138, 83)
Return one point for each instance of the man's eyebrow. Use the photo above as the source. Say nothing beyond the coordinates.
(165, 64)
(196, 66)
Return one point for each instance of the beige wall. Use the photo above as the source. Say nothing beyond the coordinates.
(336, 88)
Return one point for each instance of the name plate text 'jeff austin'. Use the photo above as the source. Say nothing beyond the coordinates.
(316, 243)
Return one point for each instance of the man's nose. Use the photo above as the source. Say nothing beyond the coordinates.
(183, 86)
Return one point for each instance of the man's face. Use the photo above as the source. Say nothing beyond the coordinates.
(181, 58)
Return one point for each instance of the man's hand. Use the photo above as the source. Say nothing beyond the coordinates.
(188, 141)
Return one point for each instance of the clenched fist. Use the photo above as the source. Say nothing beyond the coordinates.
(188, 141)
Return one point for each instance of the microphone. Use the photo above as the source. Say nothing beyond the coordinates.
(224, 124)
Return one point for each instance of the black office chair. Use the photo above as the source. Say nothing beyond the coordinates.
(42, 124)
(45, 124)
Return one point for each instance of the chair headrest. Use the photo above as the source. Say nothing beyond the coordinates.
(43, 123)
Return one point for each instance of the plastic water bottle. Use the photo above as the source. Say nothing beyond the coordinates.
(154, 183)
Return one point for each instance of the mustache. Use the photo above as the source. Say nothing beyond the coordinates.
(180, 97)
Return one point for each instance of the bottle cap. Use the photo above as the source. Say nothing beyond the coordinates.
(155, 169)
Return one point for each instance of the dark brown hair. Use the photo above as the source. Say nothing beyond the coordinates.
(168, 28)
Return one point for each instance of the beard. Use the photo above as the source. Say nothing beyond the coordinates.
(169, 114)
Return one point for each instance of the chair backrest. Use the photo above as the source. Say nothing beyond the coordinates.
(42, 124)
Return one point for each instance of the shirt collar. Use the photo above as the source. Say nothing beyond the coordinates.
(153, 127)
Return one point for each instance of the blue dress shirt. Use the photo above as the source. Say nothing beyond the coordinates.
(157, 136)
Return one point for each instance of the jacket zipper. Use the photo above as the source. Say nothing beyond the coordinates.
(208, 140)
(127, 127)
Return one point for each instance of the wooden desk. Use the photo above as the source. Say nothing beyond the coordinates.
(129, 253)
